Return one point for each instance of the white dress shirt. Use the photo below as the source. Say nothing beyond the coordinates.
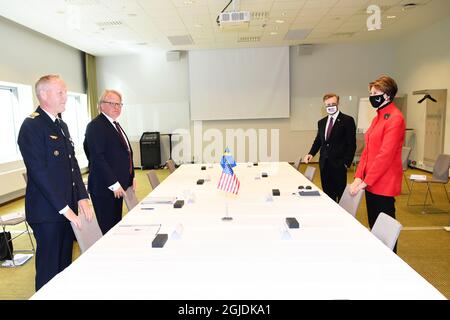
(334, 116)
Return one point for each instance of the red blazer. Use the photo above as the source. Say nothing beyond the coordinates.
(381, 161)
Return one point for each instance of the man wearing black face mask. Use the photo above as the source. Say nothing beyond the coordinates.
(336, 139)
(380, 170)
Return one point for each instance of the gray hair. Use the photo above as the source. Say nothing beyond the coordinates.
(43, 82)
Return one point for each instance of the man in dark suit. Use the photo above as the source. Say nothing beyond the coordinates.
(110, 158)
(336, 139)
(55, 189)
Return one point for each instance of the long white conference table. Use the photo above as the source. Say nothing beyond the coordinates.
(253, 256)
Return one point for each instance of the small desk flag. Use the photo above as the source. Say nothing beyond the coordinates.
(228, 181)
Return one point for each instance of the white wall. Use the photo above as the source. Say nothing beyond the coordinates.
(25, 56)
(150, 79)
(155, 92)
(423, 62)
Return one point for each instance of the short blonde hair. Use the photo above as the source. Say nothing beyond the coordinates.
(330, 95)
(42, 83)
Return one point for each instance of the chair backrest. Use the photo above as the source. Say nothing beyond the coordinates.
(131, 200)
(406, 151)
(89, 234)
(25, 177)
(154, 181)
(441, 166)
(387, 229)
(309, 173)
(297, 163)
(350, 203)
(171, 165)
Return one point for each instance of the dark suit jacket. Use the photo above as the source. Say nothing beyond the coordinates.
(54, 178)
(340, 148)
(108, 157)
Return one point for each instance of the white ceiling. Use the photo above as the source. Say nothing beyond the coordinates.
(108, 27)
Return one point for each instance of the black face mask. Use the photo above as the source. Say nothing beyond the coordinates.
(377, 101)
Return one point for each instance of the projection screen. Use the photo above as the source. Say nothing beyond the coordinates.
(245, 83)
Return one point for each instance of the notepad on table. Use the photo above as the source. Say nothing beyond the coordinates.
(419, 177)
(159, 200)
(309, 193)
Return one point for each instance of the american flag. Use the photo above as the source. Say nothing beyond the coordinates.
(228, 181)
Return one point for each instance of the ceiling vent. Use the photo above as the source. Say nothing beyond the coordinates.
(297, 34)
(181, 40)
(409, 6)
(109, 23)
(249, 39)
(343, 34)
(259, 15)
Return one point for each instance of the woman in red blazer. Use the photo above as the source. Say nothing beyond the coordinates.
(380, 170)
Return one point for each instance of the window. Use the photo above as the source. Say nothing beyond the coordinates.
(15, 103)
(8, 101)
(76, 116)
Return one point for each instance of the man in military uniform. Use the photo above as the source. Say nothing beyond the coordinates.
(55, 189)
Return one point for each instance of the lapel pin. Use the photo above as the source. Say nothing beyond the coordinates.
(387, 115)
(53, 137)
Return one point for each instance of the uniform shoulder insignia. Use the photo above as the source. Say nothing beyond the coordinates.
(34, 115)
(387, 115)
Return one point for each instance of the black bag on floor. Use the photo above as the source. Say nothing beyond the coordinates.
(6, 254)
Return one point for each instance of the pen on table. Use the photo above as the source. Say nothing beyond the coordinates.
(147, 208)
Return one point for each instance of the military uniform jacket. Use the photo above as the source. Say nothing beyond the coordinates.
(54, 178)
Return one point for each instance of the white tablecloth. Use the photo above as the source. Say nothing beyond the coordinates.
(254, 256)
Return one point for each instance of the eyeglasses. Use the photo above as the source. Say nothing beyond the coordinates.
(113, 104)
(330, 105)
(302, 187)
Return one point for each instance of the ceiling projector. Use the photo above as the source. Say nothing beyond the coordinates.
(234, 20)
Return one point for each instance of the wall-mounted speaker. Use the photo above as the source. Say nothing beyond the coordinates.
(173, 55)
(305, 49)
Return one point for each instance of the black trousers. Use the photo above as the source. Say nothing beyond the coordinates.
(375, 204)
(108, 211)
(54, 244)
(334, 180)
